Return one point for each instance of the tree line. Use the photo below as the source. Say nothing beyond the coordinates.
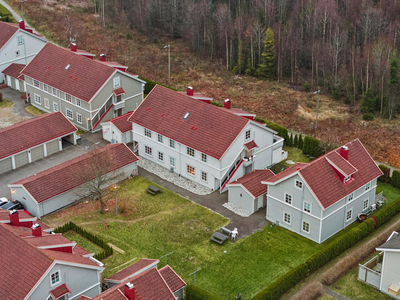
(344, 47)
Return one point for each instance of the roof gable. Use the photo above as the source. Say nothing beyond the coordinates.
(340, 163)
(207, 128)
(173, 280)
(6, 33)
(122, 123)
(392, 244)
(13, 70)
(252, 182)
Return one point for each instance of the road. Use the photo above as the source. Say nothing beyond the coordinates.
(14, 14)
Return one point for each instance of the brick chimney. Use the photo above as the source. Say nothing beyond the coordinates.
(36, 230)
(102, 57)
(22, 24)
(129, 291)
(227, 104)
(189, 91)
(14, 218)
(73, 47)
(344, 152)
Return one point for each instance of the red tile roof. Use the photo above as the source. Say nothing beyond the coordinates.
(131, 270)
(5, 216)
(113, 64)
(238, 111)
(33, 132)
(119, 91)
(340, 163)
(13, 70)
(6, 32)
(251, 145)
(252, 182)
(56, 240)
(196, 96)
(173, 280)
(289, 171)
(207, 129)
(19, 260)
(80, 251)
(69, 257)
(323, 180)
(66, 176)
(83, 78)
(60, 291)
(122, 122)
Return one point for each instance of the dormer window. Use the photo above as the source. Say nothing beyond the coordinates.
(347, 179)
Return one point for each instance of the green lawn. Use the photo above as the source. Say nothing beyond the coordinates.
(295, 154)
(83, 242)
(151, 226)
(80, 131)
(34, 111)
(326, 297)
(389, 192)
(6, 103)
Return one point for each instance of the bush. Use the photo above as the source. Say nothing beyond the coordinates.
(311, 291)
(295, 141)
(347, 100)
(386, 174)
(336, 94)
(282, 131)
(193, 292)
(150, 84)
(300, 142)
(396, 179)
(307, 87)
(216, 104)
(368, 116)
(312, 147)
(387, 212)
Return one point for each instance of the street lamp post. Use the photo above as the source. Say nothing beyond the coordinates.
(22, 8)
(316, 118)
(169, 63)
(115, 186)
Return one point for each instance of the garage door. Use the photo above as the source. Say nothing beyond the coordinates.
(21, 159)
(52, 147)
(5, 165)
(17, 84)
(37, 153)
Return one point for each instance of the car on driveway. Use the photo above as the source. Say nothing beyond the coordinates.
(3, 201)
(15, 204)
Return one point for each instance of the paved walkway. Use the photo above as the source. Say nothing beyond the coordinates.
(16, 16)
(19, 104)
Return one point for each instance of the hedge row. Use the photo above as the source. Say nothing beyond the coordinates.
(282, 131)
(90, 236)
(193, 292)
(387, 212)
(150, 84)
(386, 174)
(312, 147)
(396, 179)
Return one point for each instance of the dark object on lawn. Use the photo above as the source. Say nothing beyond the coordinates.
(153, 190)
(221, 236)
(362, 217)
(239, 297)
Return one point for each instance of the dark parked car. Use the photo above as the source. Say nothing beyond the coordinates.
(15, 204)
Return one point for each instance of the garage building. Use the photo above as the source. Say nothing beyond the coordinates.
(34, 139)
(118, 130)
(13, 77)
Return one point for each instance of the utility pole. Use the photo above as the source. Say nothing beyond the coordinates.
(169, 63)
(316, 119)
(22, 8)
(115, 186)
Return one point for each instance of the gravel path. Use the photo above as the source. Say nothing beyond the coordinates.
(236, 209)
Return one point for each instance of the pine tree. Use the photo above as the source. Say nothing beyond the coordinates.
(295, 141)
(291, 140)
(300, 142)
(268, 55)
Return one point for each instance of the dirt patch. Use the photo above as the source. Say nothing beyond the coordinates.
(8, 117)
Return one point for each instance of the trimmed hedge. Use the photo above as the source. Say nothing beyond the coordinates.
(396, 179)
(311, 146)
(193, 292)
(387, 212)
(150, 84)
(386, 172)
(282, 131)
(90, 236)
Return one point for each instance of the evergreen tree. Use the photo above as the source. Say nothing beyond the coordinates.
(295, 141)
(268, 55)
(368, 102)
(393, 90)
(300, 142)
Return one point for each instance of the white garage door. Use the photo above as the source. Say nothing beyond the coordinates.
(21, 159)
(5, 165)
(17, 84)
(52, 147)
(37, 153)
(9, 81)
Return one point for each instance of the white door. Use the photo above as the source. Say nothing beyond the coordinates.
(8, 80)
(17, 84)
(260, 202)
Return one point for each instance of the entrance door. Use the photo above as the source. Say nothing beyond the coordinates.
(260, 202)
(9, 81)
(17, 84)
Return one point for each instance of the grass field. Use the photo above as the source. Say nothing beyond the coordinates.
(389, 192)
(6, 103)
(34, 111)
(83, 242)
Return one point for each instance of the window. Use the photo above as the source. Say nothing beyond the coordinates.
(161, 156)
(46, 103)
(365, 204)
(172, 143)
(78, 101)
(69, 113)
(55, 278)
(190, 151)
(79, 118)
(55, 106)
(116, 82)
(306, 226)
(45, 87)
(160, 139)
(347, 179)
(204, 157)
(68, 97)
(367, 186)
(349, 214)
(299, 184)
(38, 100)
(147, 132)
(307, 207)
(190, 170)
(36, 83)
(20, 40)
(351, 197)
(172, 161)
(17, 53)
(288, 198)
(204, 176)
(148, 150)
(287, 218)
(248, 134)
(54, 92)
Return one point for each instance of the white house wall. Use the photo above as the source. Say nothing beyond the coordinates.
(390, 271)
(240, 197)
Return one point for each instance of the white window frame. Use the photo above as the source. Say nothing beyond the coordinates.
(309, 227)
(300, 182)
(59, 278)
(350, 197)
(190, 151)
(284, 218)
(172, 161)
(68, 96)
(116, 82)
(55, 104)
(172, 143)
(36, 83)
(365, 201)
(78, 102)
(72, 113)
(20, 40)
(204, 157)
(194, 170)
(347, 214)
(206, 176)
(159, 138)
(147, 132)
(78, 116)
(146, 152)
(45, 87)
(291, 198)
(54, 90)
(347, 179)
(47, 103)
(245, 135)
(160, 154)
(368, 186)
(36, 96)
(304, 207)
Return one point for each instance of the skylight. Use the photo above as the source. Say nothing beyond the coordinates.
(186, 115)
(67, 67)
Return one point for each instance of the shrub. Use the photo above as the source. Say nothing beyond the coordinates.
(311, 291)
(295, 141)
(216, 104)
(193, 292)
(300, 142)
(396, 179)
(312, 147)
(150, 84)
(387, 212)
(347, 100)
(282, 131)
(368, 116)
(307, 87)
(336, 94)
(386, 174)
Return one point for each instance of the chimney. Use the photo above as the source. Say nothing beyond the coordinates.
(36, 230)
(14, 218)
(22, 24)
(73, 47)
(344, 151)
(102, 57)
(129, 291)
(227, 104)
(189, 91)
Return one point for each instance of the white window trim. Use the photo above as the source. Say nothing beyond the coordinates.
(77, 119)
(65, 95)
(158, 138)
(291, 199)
(66, 113)
(34, 81)
(188, 152)
(368, 186)
(52, 91)
(295, 184)
(203, 155)
(364, 209)
(147, 130)
(172, 165)
(309, 227)
(77, 100)
(351, 209)
(119, 82)
(249, 138)
(310, 207)
(48, 101)
(158, 157)
(173, 142)
(351, 194)
(40, 99)
(194, 169)
(150, 155)
(201, 172)
(20, 37)
(290, 215)
(59, 276)
(55, 104)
